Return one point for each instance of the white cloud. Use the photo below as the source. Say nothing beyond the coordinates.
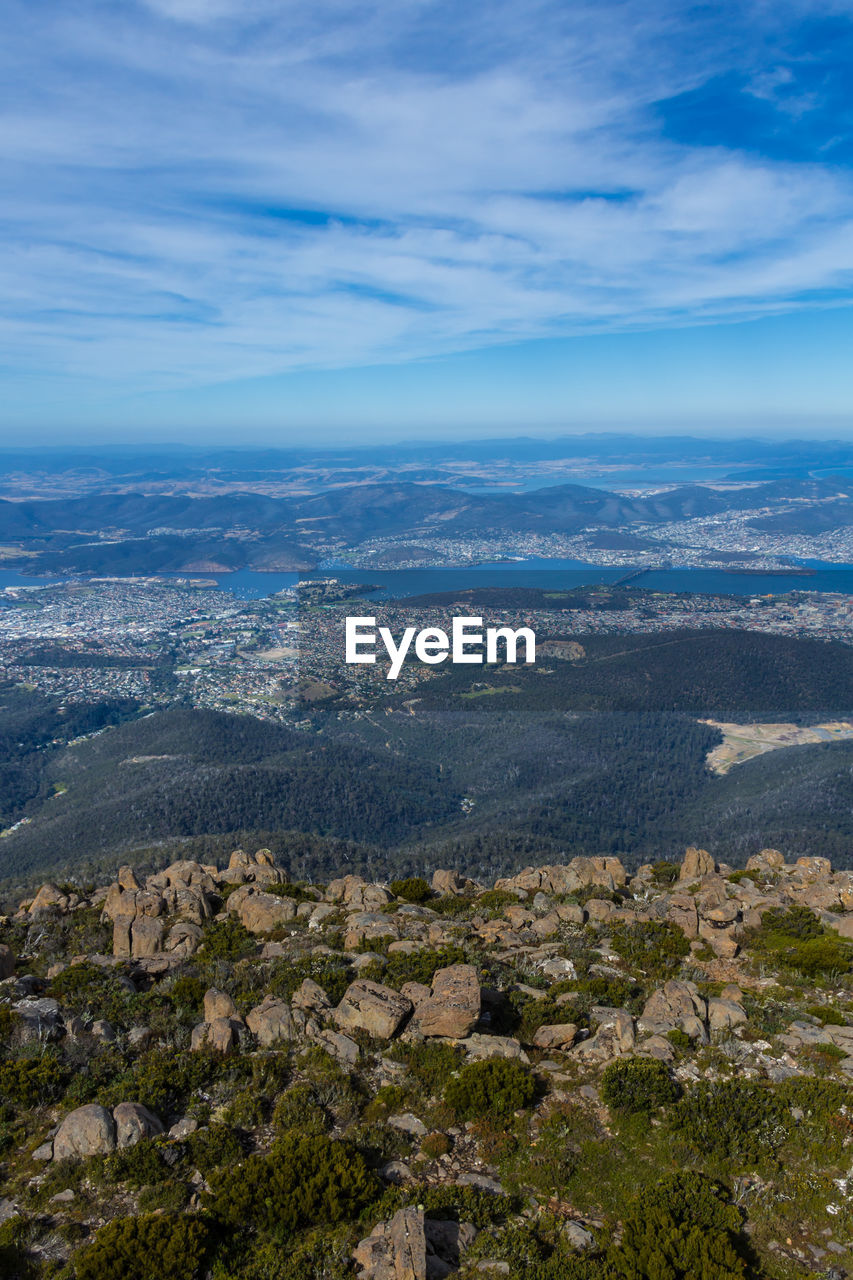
(199, 189)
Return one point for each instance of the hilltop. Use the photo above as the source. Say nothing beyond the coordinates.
(570, 1072)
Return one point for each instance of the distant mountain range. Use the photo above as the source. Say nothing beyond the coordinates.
(138, 532)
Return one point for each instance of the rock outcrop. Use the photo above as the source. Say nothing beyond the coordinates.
(371, 1007)
(452, 1007)
(87, 1131)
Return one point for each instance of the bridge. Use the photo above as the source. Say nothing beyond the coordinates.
(632, 575)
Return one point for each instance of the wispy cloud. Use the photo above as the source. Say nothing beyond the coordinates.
(200, 190)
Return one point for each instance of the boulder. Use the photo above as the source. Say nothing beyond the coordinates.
(271, 1021)
(309, 995)
(371, 1007)
(614, 1037)
(811, 868)
(260, 912)
(146, 937)
(7, 962)
(724, 1014)
(697, 863)
(766, 860)
(48, 898)
(449, 882)
(368, 926)
(182, 875)
(38, 1019)
(221, 1035)
(86, 1131)
(355, 892)
(453, 1007)
(183, 939)
(252, 868)
(218, 1004)
(682, 912)
(340, 1047)
(557, 1035)
(133, 1121)
(126, 878)
(479, 1046)
(394, 1250)
(675, 1006)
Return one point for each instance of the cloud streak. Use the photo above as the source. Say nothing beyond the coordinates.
(201, 190)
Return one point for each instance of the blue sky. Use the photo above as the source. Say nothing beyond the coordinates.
(265, 220)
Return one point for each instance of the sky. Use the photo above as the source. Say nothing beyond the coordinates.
(270, 221)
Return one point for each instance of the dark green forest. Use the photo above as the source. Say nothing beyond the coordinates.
(604, 755)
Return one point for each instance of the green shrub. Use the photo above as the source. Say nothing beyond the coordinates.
(168, 1246)
(494, 1088)
(14, 1262)
(141, 1165)
(164, 1080)
(734, 1119)
(826, 1015)
(227, 940)
(630, 1085)
(664, 872)
(655, 947)
(186, 995)
(678, 1038)
(797, 923)
(32, 1082)
(212, 1147)
(306, 1179)
(495, 901)
(414, 889)
(819, 956)
(616, 993)
(332, 973)
(737, 877)
(420, 965)
(298, 1108)
(431, 1063)
(434, 1145)
(683, 1228)
(452, 904)
(91, 989)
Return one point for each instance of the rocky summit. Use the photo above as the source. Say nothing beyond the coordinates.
(574, 1072)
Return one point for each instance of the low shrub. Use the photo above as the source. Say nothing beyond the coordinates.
(682, 1228)
(169, 1246)
(655, 947)
(796, 922)
(826, 1015)
(420, 965)
(430, 1063)
(664, 872)
(227, 940)
(734, 1119)
(298, 1108)
(434, 1145)
(210, 1148)
(495, 901)
(141, 1165)
(94, 990)
(413, 889)
(631, 1085)
(306, 1179)
(32, 1082)
(494, 1088)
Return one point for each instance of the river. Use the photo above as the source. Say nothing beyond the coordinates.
(550, 574)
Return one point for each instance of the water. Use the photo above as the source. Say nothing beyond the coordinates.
(613, 480)
(550, 574)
